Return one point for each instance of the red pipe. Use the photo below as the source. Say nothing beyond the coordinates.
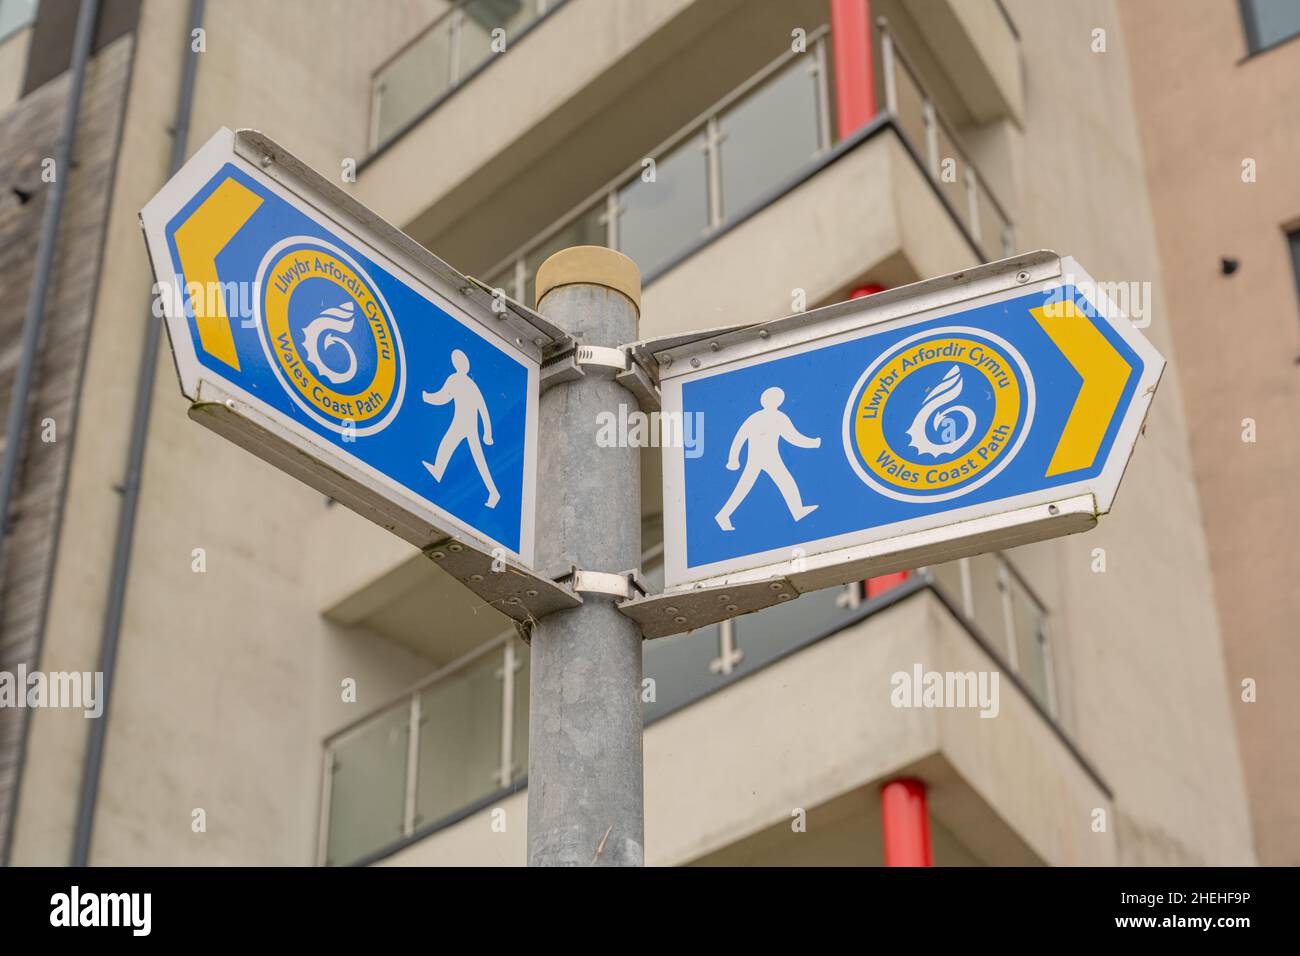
(855, 81)
(871, 288)
(880, 585)
(905, 823)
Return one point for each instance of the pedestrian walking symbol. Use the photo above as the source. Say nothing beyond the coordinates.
(763, 432)
(468, 409)
(904, 433)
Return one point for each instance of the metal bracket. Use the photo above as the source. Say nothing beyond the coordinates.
(695, 605)
(572, 360)
(511, 589)
(620, 584)
(601, 357)
(575, 360)
(641, 382)
(660, 615)
(559, 364)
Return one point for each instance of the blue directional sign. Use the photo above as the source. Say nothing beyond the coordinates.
(912, 420)
(352, 349)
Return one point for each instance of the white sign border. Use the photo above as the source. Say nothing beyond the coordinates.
(180, 189)
(1102, 487)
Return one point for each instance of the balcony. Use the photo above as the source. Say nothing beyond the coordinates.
(594, 86)
(458, 737)
(447, 54)
(750, 149)
(458, 741)
(899, 198)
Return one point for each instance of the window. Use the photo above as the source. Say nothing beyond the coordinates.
(1294, 238)
(1027, 629)
(768, 137)
(659, 219)
(14, 15)
(992, 595)
(1269, 22)
(446, 54)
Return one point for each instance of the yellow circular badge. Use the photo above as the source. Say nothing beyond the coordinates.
(938, 414)
(330, 336)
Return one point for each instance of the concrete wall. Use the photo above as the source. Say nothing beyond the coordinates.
(29, 132)
(229, 680)
(13, 65)
(1238, 341)
(806, 732)
(1139, 642)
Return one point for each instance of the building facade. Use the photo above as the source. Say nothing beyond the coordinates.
(1231, 263)
(295, 686)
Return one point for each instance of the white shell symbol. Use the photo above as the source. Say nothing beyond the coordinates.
(329, 323)
(933, 411)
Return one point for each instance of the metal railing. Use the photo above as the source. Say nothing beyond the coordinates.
(992, 595)
(460, 737)
(443, 56)
(922, 123)
(455, 738)
(704, 176)
(712, 171)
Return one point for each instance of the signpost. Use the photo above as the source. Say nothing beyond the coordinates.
(328, 343)
(982, 410)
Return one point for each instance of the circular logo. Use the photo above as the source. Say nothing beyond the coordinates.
(330, 336)
(939, 414)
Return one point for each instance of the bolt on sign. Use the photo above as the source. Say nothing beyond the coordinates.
(976, 411)
(321, 338)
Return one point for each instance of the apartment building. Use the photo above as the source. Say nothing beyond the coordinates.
(1231, 262)
(293, 685)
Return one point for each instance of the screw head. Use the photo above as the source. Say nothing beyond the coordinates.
(1022, 276)
(437, 555)
(455, 547)
(714, 346)
(763, 333)
(266, 160)
(512, 600)
(1053, 510)
(724, 598)
(666, 361)
(783, 597)
(670, 610)
(775, 586)
(476, 577)
(539, 341)
(695, 363)
(679, 620)
(531, 592)
(732, 608)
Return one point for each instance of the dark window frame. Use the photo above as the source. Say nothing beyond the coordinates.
(1292, 235)
(1254, 46)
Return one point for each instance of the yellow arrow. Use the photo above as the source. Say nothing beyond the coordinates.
(1104, 374)
(198, 240)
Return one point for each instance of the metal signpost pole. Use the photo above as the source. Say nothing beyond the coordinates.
(1022, 389)
(585, 795)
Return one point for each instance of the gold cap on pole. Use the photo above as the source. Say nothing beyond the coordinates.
(590, 265)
